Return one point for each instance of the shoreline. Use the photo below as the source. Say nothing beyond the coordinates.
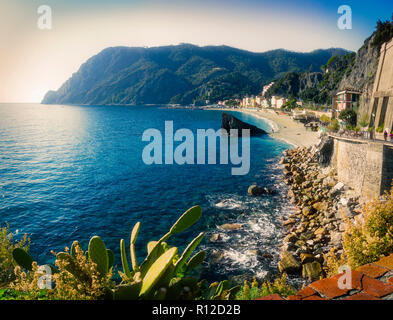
(284, 128)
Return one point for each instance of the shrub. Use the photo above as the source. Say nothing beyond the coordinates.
(325, 119)
(380, 128)
(383, 33)
(25, 286)
(349, 116)
(88, 284)
(279, 286)
(364, 120)
(7, 246)
(334, 125)
(367, 241)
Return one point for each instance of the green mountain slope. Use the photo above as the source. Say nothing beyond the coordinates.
(182, 74)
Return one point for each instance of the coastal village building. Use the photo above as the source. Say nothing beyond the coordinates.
(267, 87)
(381, 109)
(258, 101)
(347, 99)
(278, 102)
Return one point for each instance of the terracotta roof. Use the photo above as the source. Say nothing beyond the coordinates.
(373, 281)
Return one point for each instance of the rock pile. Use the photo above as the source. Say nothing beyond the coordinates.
(322, 204)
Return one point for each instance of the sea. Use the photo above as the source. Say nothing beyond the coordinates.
(70, 172)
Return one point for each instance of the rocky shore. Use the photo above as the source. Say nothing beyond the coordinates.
(323, 205)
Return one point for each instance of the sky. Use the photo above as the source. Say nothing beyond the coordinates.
(33, 61)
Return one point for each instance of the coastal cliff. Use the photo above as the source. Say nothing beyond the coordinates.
(362, 74)
(230, 122)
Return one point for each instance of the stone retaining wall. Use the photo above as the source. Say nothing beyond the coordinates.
(365, 166)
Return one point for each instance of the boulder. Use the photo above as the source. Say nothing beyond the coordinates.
(230, 122)
(320, 231)
(255, 190)
(336, 238)
(215, 237)
(312, 271)
(292, 238)
(216, 256)
(321, 206)
(288, 263)
(338, 187)
(231, 226)
(306, 257)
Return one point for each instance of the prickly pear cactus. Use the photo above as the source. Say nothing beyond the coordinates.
(22, 258)
(187, 220)
(111, 258)
(98, 254)
(73, 250)
(157, 269)
(188, 251)
(196, 260)
(134, 235)
(124, 262)
(127, 292)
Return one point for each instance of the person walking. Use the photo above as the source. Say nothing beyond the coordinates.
(385, 135)
(391, 136)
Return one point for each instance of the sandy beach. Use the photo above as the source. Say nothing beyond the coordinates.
(283, 127)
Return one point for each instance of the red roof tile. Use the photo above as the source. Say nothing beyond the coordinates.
(372, 270)
(356, 279)
(386, 262)
(315, 298)
(271, 297)
(306, 292)
(376, 288)
(294, 298)
(361, 296)
(329, 288)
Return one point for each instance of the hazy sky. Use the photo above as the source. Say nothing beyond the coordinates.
(33, 61)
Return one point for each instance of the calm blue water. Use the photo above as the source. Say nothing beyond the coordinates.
(70, 172)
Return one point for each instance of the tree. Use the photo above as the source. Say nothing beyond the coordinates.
(349, 116)
(290, 105)
(364, 120)
(383, 33)
(325, 119)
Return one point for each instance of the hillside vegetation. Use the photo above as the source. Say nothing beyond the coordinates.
(182, 74)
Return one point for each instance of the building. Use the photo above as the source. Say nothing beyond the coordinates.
(265, 88)
(248, 102)
(347, 99)
(259, 101)
(381, 108)
(278, 102)
(265, 103)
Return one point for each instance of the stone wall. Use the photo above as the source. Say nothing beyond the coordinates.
(387, 176)
(383, 90)
(365, 166)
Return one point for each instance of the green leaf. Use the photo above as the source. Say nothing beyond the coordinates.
(188, 251)
(126, 268)
(22, 258)
(196, 260)
(98, 254)
(188, 218)
(157, 269)
(111, 258)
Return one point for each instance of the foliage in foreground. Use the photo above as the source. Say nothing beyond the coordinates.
(383, 33)
(349, 116)
(87, 275)
(368, 240)
(7, 246)
(279, 286)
